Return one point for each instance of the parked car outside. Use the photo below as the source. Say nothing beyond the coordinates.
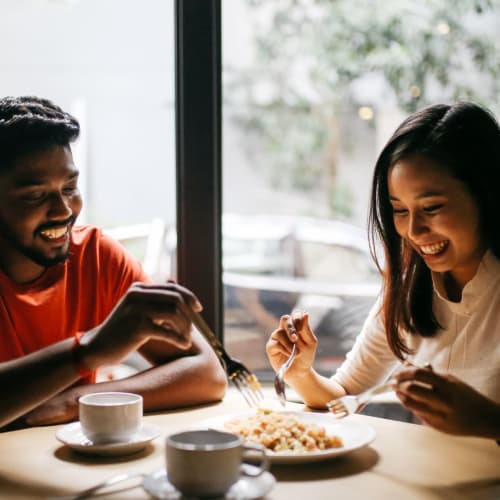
(275, 263)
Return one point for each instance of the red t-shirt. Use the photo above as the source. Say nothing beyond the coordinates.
(71, 297)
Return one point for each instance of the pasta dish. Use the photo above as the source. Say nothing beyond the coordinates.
(282, 432)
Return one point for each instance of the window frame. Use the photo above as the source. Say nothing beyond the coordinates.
(198, 107)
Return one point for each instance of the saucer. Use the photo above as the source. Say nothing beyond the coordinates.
(246, 488)
(72, 435)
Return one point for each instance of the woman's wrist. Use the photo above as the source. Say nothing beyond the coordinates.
(315, 389)
(295, 377)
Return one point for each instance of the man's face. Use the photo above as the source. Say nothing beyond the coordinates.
(39, 203)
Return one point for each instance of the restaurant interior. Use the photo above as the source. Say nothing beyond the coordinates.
(229, 145)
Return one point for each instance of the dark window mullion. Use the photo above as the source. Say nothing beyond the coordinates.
(198, 148)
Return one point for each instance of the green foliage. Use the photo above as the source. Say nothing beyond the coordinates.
(340, 202)
(313, 55)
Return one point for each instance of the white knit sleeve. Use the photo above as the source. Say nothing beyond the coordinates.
(370, 361)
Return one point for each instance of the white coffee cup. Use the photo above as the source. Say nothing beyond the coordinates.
(110, 417)
(206, 463)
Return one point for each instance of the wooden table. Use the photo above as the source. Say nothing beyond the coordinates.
(405, 461)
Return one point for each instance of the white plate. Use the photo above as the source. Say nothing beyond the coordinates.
(354, 435)
(73, 436)
(246, 488)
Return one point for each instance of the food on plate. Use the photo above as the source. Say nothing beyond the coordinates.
(283, 432)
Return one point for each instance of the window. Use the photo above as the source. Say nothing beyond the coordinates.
(312, 90)
(306, 94)
(111, 64)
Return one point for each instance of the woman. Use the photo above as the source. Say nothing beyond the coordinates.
(435, 207)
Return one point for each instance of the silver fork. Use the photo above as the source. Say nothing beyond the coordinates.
(112, 481)
(245, 381)
(347, 405)
(279, 379)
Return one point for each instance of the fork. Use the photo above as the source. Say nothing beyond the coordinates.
(245, 381)
(112, 481)
(279, 379)
(347, 405)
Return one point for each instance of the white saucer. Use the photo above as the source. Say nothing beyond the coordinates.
(73, 436)
(246, 488)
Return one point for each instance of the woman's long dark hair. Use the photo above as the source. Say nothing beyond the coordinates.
(465, 139)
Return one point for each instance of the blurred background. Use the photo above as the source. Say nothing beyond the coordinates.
(312, 89)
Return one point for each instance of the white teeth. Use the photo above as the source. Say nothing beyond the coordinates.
(434, 248)
(52, 234)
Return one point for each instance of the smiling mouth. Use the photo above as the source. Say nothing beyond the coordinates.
(54, 233)
(434, 248)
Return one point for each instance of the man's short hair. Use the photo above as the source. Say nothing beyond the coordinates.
(30, 124)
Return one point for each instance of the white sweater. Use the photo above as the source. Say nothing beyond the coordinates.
(468, 346)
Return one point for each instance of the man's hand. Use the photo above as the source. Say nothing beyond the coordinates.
(447, 404)
(57, 410)
(145, 312)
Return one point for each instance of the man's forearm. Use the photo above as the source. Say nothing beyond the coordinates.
(184, 381)
(27, 382)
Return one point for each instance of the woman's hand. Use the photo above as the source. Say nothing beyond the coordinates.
(447, 404)
(314, 389)
(279, 345)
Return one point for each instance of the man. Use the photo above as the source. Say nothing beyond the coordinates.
(71, 299)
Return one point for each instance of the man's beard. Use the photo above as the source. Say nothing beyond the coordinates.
(34, 254)
(41, 259)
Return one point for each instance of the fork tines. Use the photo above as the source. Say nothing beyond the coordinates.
(251, 395)
(245, 381)
(249, 386)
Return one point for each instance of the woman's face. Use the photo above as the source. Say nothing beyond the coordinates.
(435, 213)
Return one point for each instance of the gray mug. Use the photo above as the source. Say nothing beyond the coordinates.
(206, 463)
